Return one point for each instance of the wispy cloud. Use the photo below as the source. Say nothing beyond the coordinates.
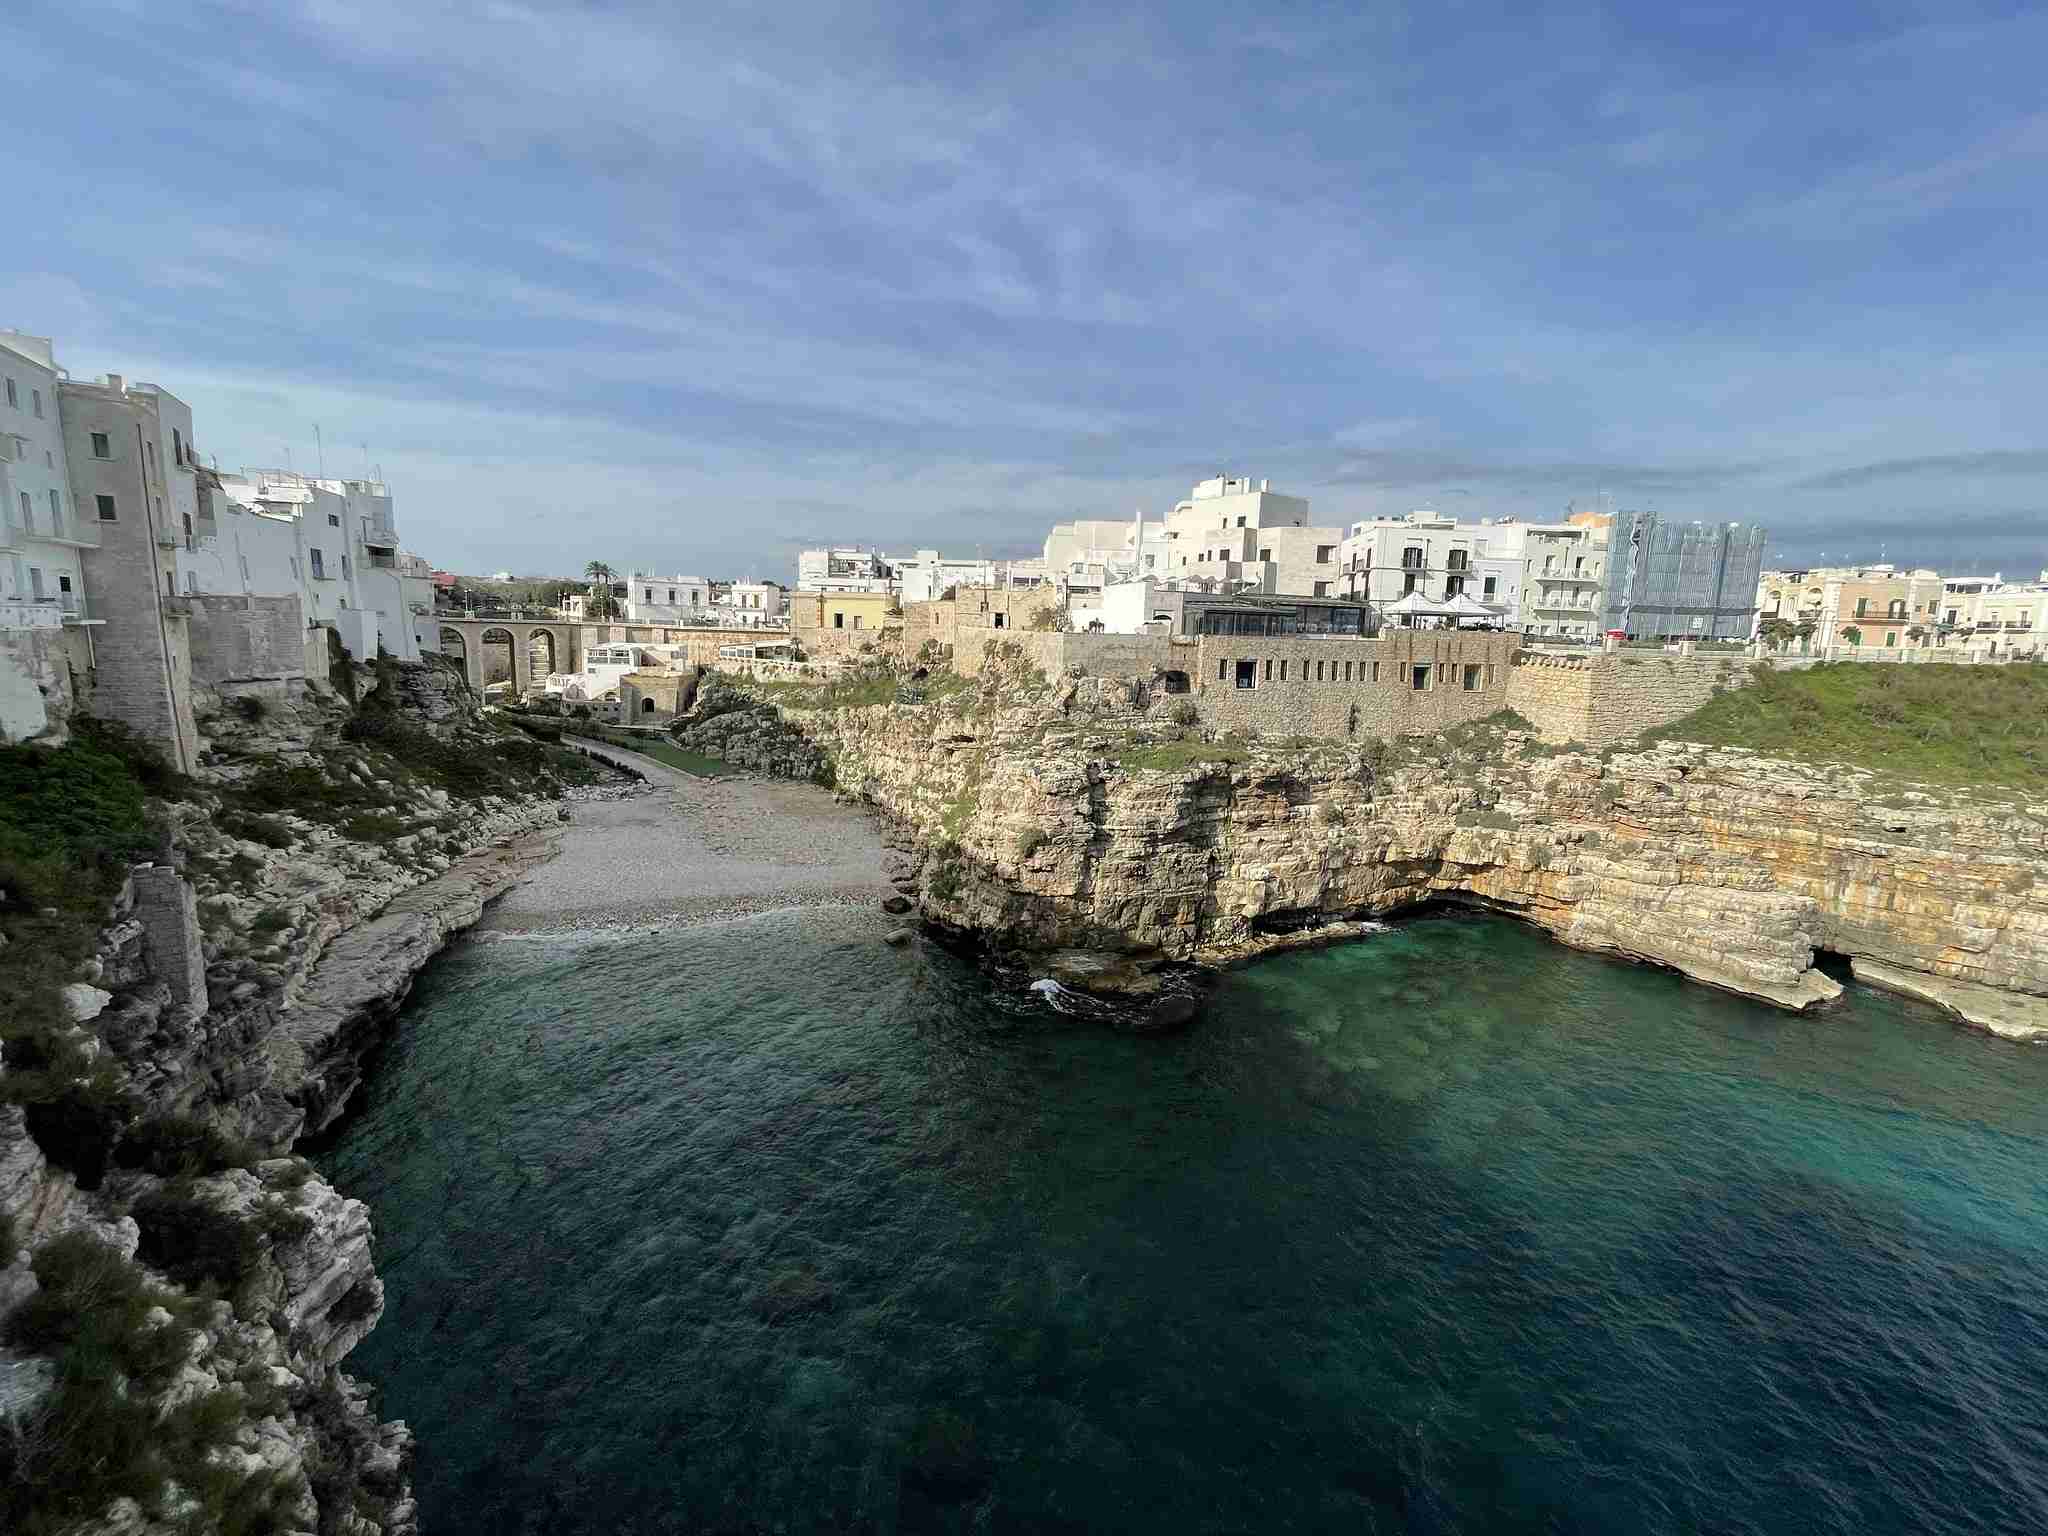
(1998, 462)
(712, 279)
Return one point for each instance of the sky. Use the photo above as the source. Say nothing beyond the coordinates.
(694, 287)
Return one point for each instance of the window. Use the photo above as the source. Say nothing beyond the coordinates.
(1283, 672)
(1891, 637)
(1472, 679)
(36, 395)
(1487, 586)
(1408, 583)
(106, 507)
(1319, 671)
(35, 582)
(101, 448)
(1322, 589)
(1001, 621)
(649, 596)
(1240, 522)
(28, 514)
(319, 565)
(1420, 679)
(56, 514)
(1269, 671)
(1375, 671)
(1265, 553)
(856, 622)
(839, 621)
(1896, 610)
(1862, 606)
(12, 398)
(1222, 670)
(344, 566)
(671, 595)
(1325, 553)
(1247, 674)
(1347, 671)
(177, 448)
(334, 520)
(149, 449)
(1411, 558)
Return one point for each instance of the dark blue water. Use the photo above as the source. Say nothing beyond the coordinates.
(763, 1226)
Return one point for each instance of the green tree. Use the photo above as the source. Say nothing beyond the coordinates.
(1777, 633)
(1853, 635)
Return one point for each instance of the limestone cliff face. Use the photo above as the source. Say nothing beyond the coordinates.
(239, 984)
(1069, 824)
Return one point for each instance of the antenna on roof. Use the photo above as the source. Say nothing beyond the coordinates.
(320, 451)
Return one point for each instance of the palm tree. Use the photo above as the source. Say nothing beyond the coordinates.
(597, 571)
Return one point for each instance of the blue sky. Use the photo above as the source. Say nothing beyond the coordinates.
(696, 286)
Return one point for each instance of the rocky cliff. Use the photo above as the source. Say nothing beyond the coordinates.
(1086, 815)
(240, 978)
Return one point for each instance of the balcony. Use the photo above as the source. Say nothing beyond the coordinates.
(379, 536)
(30, 613)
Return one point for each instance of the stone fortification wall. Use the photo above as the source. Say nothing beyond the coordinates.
(1055, 654)
(245, 639)
(1335, 688)
(1600, 700)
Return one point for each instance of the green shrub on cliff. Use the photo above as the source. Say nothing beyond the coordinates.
(71, 820)
(117, 1341)
(1937, 723)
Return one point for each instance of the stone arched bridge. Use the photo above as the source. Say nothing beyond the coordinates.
(541, 646)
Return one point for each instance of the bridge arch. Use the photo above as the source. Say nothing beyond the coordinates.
(540, 654)
(498, 656)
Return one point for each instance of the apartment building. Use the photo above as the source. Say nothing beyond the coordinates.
(331, 543)
(844, 568)
(751, 605)
(1540, 577)
(1231, 535)
(42, 537)
(1090, 553)
(682, 600)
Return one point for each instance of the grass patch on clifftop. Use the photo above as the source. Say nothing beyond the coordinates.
(1177, 756)
(1937, 723)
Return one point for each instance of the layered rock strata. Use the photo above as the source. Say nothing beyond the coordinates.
(1089, 822)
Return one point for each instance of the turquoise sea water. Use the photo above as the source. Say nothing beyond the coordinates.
(765, 1227)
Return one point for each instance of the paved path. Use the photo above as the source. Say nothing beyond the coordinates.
(694, 849)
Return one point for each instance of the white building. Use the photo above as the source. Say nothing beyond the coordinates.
(751, 605)
(331, 543)
(1543, 578)
(843, 569)
(42, 580)
(604, 665)
(1090, 553)
(681, 600)
(1230, 535)
(925, 576)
